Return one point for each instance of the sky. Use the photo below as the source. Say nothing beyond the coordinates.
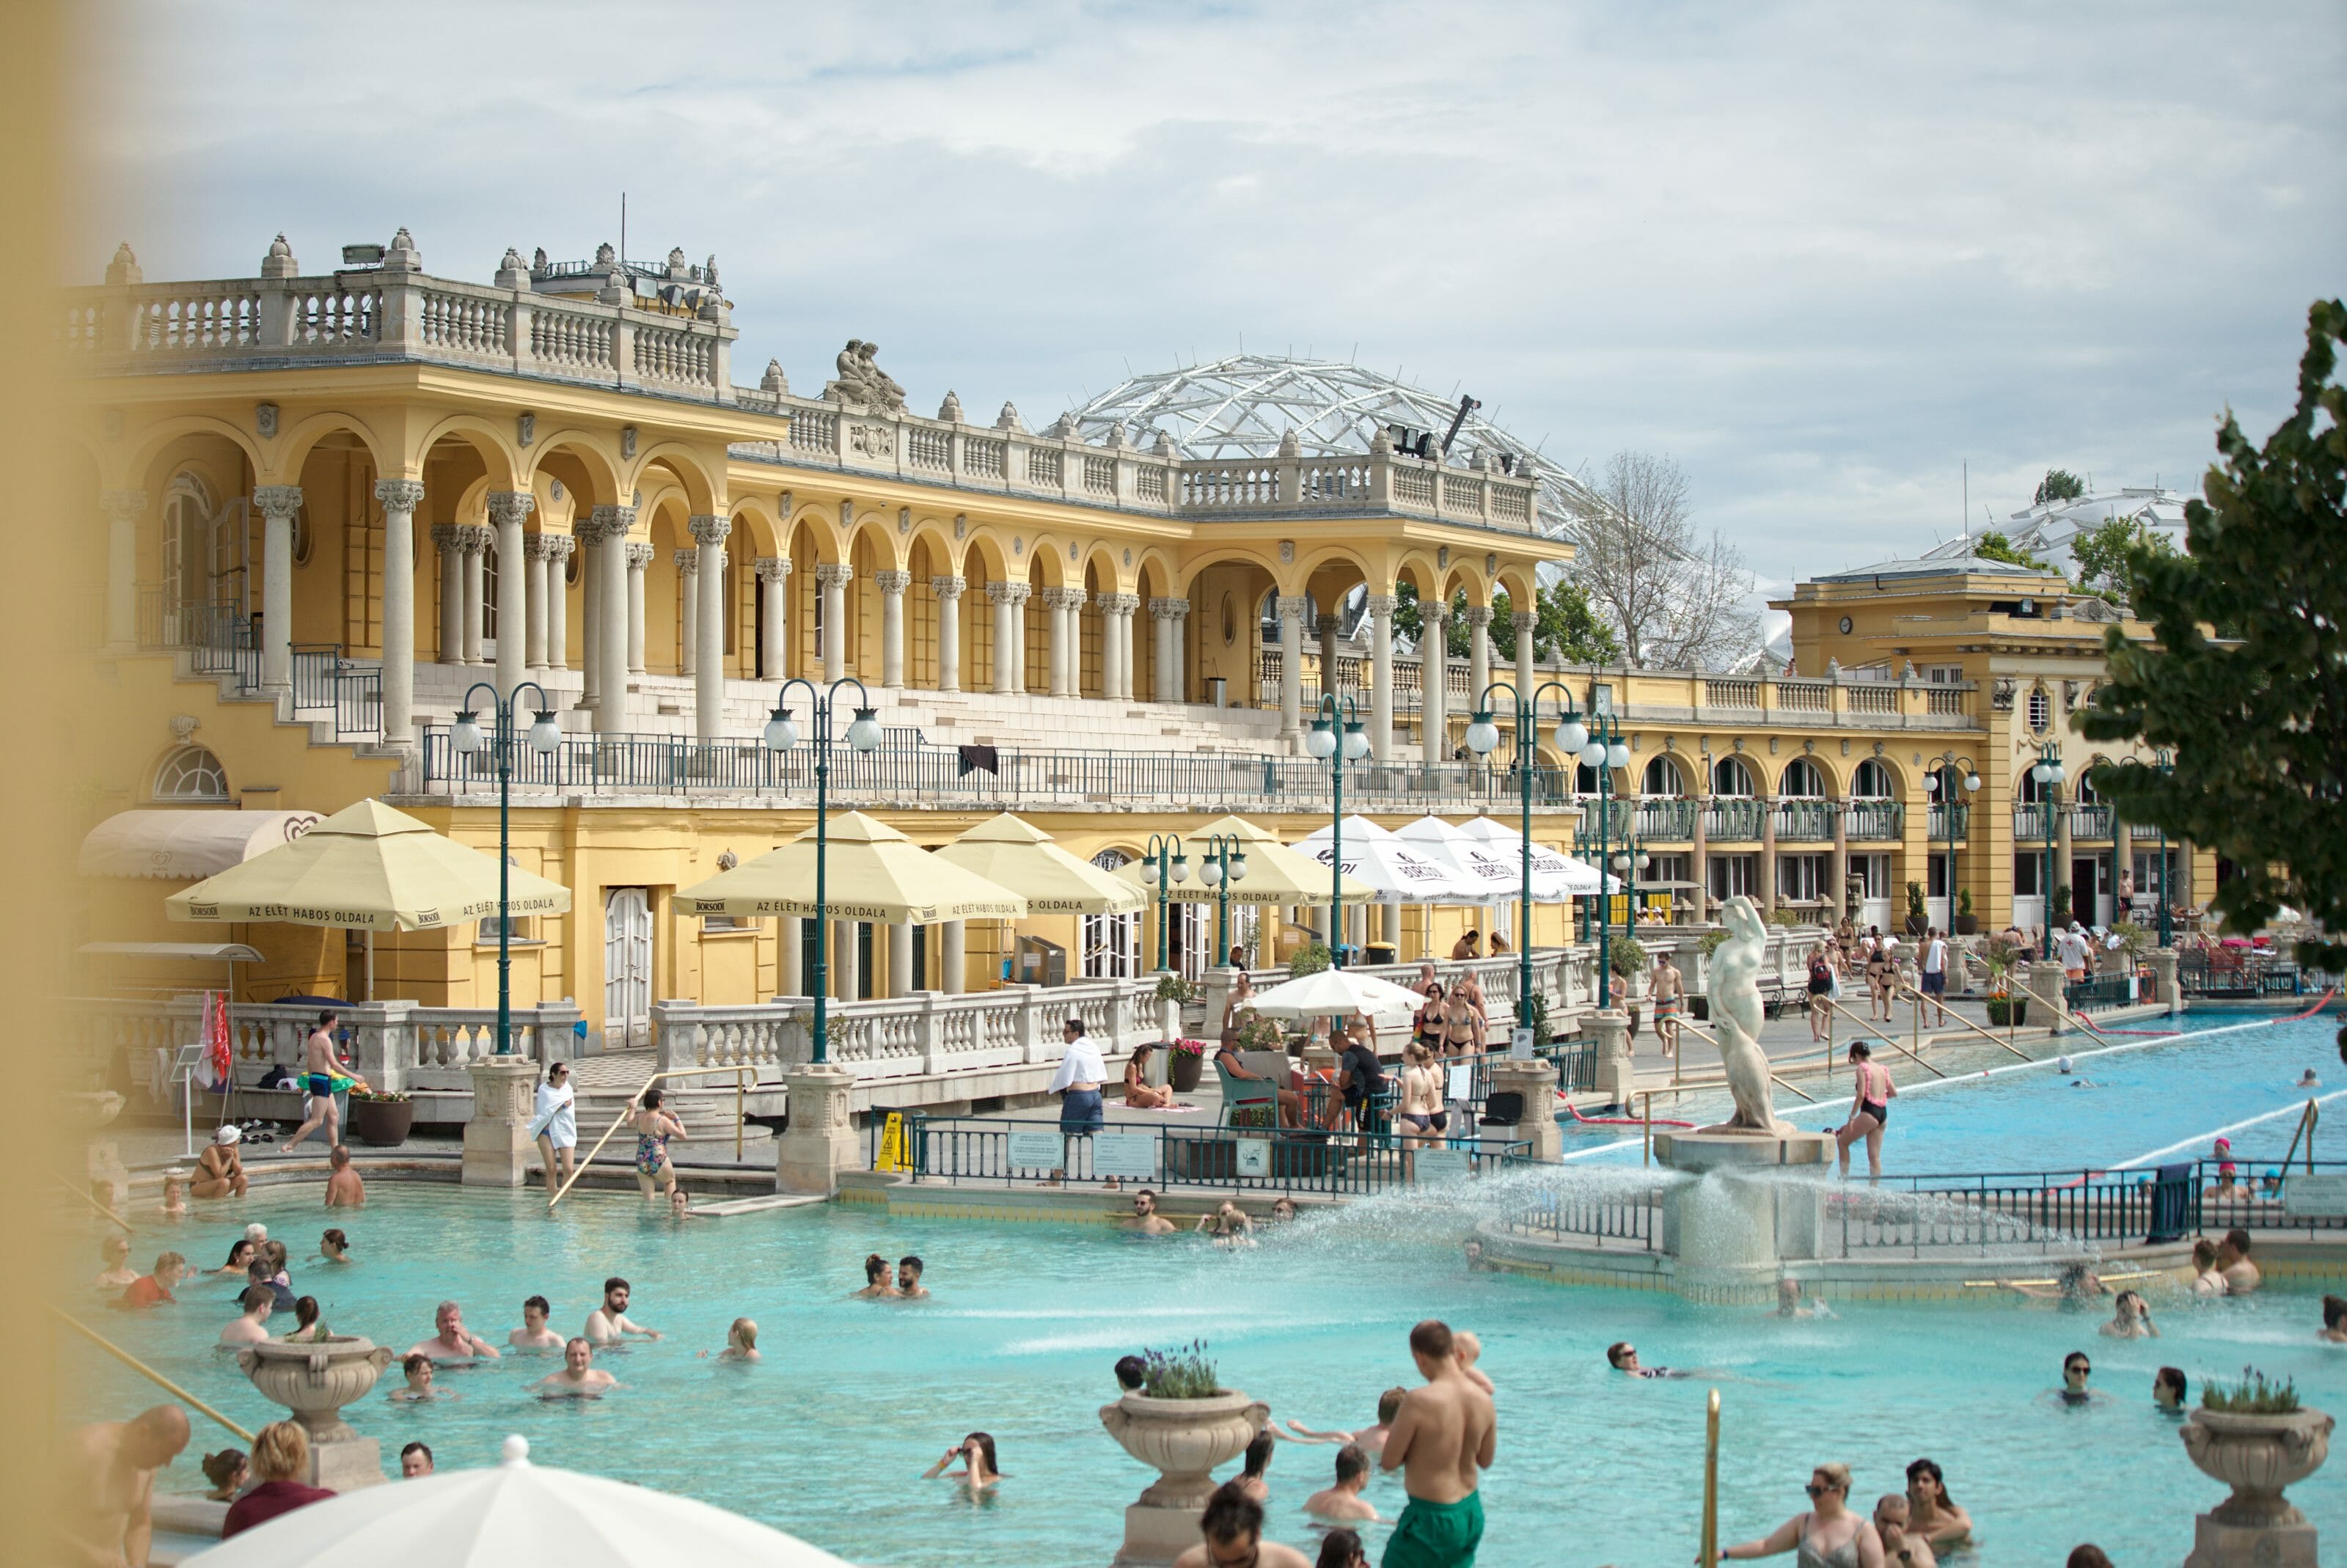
(1822, 255)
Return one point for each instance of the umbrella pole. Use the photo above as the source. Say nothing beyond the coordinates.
(370, 964)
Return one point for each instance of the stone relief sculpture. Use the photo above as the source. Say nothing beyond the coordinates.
(1736, 1013)
(861, 379)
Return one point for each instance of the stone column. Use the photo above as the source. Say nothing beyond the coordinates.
(1525, 625)
(452, 592)
(1535, 1080)
(2163, 975)
(900, 961)
(2061, 810)
(123, 508)
(1010, 609)
(1292, 611)
(705, 626)
(640, 556)
(948, 590)
(953, 957)
(1121, 633)
(688, 569)
(1105, 604)
(559, 549)
(496, 1142)
(1479, 651)
(1434, 685)
(1768, 855)
(774, 583)
(475, 540)
(892, 585)
(612, 526)
(1699, 860)
(1178, 648)
(586, 539)
(534, 559)
(1381, 607)
(1168, 614)
(844, 954)
(399, 499)
(1331, 625)
(1616, 1073)
(2044, 985)
(278, 502)
(2122, 865)
(793, 937)
(1839, 866)
(832, 577)
(507, 509)
(1067, 660)
(820, 1140)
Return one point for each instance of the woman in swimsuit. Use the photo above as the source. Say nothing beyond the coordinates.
(1821, 984)
(1421, 1110)
(1879, 970)
(1829, 1536)
(1869, 1110)
(654, 1127)
(1462, 1022)
(1139, 1093)
(1426, 1024)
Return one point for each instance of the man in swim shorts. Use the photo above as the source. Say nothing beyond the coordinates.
(319, 1070)
(1935, 971)
(1442, 1440)
(1670, 992)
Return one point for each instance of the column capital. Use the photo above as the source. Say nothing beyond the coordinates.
(123, 506)
(893, 583)
(773, 569)
(639, 555)
(835, 573)
(1169, 609)
(476, 538)
(687, 562)
(1479, 615)
(1295, 607)
(559, 547)
(1434, 611)
(399, 495)
(709, 528)
(510, 506)
(1120, 603)
(610, 520)
(1382, 605)
(277, 500)
(1009, 592)
(445, 536)
(537, 546)
(1063, 597)
(948, 587)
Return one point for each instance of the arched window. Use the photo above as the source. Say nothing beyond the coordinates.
(1804, 780)
(1664, 778)
(191, 772)
(1112, 943)
(1731, 778)
(2041, 709)
(1585, 778)
(1871, 782)
(2031, 792)
(2083, 791)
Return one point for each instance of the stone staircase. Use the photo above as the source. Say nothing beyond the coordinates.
(606, 1083)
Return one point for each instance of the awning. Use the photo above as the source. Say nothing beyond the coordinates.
(186, 846)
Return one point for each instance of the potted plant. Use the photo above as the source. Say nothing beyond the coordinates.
(1918, 922)
(1182, 1422)
(2004, 1009)
(1185, 1061)
(382, 1120)
(1967, 923)
(1172, 988)
(2255, 1437)
(1308, 960)
(2059, 914)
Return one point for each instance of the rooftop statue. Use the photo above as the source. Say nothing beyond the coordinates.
(861, 380)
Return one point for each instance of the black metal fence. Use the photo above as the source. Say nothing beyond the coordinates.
(2237, 972)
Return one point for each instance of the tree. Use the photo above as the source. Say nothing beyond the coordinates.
(1565, 627)
(1672, 598)
(2059, 484)
(2246, 677)
(1994, 546)
(2103, 552)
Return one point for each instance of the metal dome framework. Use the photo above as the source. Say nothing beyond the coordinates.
(1243, 405)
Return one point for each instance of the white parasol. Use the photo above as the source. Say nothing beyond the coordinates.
(1395, 870)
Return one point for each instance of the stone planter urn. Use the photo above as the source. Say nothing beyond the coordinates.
(2256, 1456)
(1183, 1069)
(1183, 1441)
(314, 1379)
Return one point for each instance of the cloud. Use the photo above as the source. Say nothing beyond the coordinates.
(1820, 254)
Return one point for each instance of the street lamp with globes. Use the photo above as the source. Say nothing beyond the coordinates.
(466, 738)
(1338, 716)
(782, 734)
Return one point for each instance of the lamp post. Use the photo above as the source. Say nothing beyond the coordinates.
(782, 736)
(2048, 774)
(466, 738)
(1167, 864)
(1969, 780)
(1338, 715)
(1223, 863)
(1482, 739)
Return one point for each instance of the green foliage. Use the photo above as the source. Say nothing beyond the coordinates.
(1914, 897)
(2059, 914)
(2254, 1395)
(2105, 553)
(1964, 902)
(1564, 627)
(1309, 959)
(2246, 677)
(1994, 546)
(1172, 988)
(1781, 917)
(1711, 940)
(1627, 957)
(1259, 1033)
(2133, 938)
(1182, 1373)
(1409, 619)
(2059, 484)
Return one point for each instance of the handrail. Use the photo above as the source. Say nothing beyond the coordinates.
(628, 1110)
(144, 1370)
(1707, 1554)
(1888, 1038)
(2307, 1119)
(1976, 1028)
(93, 1203)
(1713, 1041)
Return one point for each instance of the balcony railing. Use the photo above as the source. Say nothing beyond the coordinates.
(2032, 823)
(1805, 820)
(1951, 823)
(2090, 822)
(1876, 821)
(1734, 821)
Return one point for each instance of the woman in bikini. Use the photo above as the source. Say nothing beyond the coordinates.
(1426, 1023)
(1880, 971)
(1869, 1110)
(1821, 981)
(654, 1127)
(1462, 1022)
(1421, 1110)
(1139, 1093)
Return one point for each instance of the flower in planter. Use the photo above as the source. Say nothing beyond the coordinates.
(376, 1096)
(1188, 1047)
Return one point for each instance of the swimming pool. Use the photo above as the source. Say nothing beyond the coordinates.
(2135, 1104)
(828, 1437)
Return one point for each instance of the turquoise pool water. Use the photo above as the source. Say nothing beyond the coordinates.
(828, 1437)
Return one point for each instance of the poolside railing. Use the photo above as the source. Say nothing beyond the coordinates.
(1018, 1153)
(1631, 1217)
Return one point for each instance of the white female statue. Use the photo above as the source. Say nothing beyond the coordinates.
(1735, 1010)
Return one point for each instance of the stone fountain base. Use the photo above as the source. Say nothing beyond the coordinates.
(1759, 1206)
(314, 1379)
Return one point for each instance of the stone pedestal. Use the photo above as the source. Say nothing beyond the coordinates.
(2046, 982)
(1536, 1081)
(2163, 975)
(496, 1142)
(1183, 1441)
(2256, 1456)
(1617, 1077)
(820, 1141)
(315, 1381)
(1757, 1204)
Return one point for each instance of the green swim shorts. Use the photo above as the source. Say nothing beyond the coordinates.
(1435, 1534)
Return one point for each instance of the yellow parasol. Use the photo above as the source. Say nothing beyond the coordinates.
(1020, 857)
(1275, 873)
(872, 871)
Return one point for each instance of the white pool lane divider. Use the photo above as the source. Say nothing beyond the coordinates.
(2295, 1107)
